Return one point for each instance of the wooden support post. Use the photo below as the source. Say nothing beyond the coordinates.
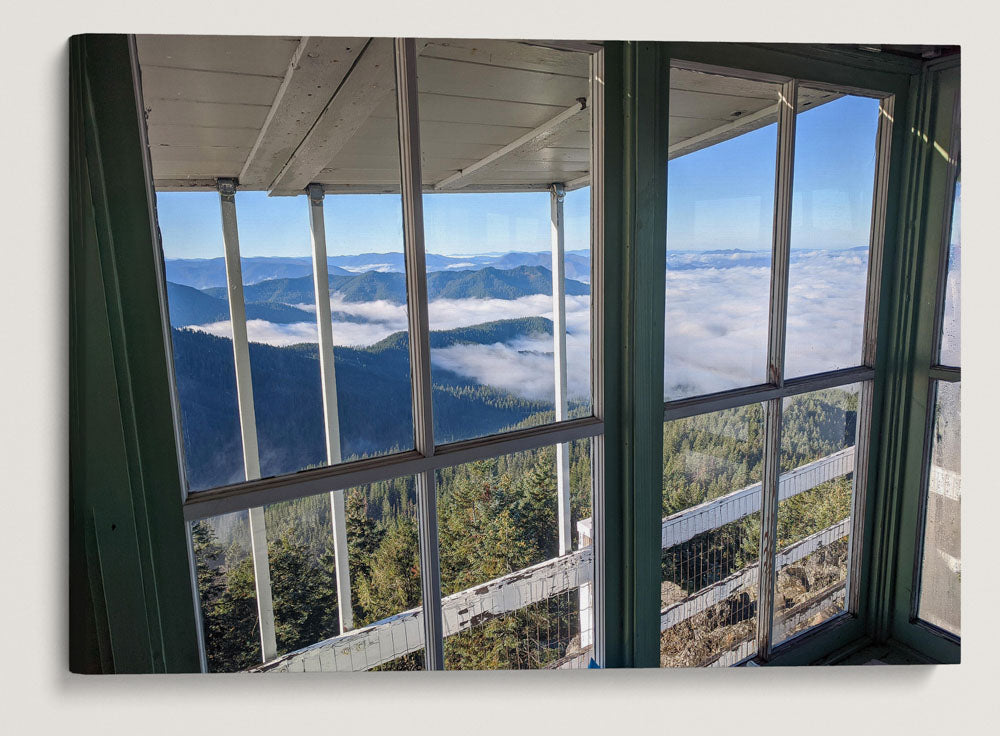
(557, 197)
(248, 420)
(331, 415)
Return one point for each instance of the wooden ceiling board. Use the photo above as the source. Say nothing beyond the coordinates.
(233, 155)
(205, 114)
(197, 169)
(481, 82)
(266, 55)
(709, 106)
(509, 54)
(164, 83)
(188, 135)
(444, 108)
(686, 80)
(213, 100)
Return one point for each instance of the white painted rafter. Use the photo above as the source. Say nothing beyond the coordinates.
(315, 73)
(360, 92)
(534, 140)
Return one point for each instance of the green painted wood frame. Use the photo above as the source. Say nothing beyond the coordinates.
(131, 595)
(635, 150)
(929, 202)
(635, 197)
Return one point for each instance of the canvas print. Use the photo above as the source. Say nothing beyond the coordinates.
(388, 286)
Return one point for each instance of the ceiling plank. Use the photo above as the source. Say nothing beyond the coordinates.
(370, 80)
(267, 55)
(509, 54)
(541, 137)
(316, 70)
(198, 86)
(744, 124)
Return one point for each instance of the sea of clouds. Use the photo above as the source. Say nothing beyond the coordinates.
(716, 325)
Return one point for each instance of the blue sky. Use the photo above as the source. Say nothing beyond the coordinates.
(365, 223)
(720, 197)
(723, 196)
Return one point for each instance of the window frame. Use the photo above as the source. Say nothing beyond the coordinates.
(772, 392)
(426, 457)
(627, 625)
(847, 68)
(942, 123)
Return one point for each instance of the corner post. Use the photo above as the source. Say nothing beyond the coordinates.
(331, 414)
(248, 420)
(557, 196)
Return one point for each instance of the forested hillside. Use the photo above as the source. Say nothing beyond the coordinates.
(373, 393)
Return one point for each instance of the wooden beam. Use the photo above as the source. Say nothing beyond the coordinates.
(359, 93)
(316, 71)
(541, 137)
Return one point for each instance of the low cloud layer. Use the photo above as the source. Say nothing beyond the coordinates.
(716, 327)
(526, 367)
(717, 321)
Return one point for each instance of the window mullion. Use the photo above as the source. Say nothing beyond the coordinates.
(883, 147)
(248, 421)
(599, 540)
(781, 247)
(419, 332)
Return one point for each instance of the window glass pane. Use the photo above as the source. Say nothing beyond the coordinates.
(215, 111)
(941, 568)
(712, 468)
(383, 565)
(496, 518)
(815, 491)
(489, 232)
(201, 334)
(831, 222)
(951, 326)
(720, 213)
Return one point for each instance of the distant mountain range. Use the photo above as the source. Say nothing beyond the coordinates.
(202, 273)
(270, 299)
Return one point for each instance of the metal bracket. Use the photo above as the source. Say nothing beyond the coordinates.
(316, 192)
(558, 191)
(227, 187)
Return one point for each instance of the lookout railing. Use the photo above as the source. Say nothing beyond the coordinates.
(556, 579)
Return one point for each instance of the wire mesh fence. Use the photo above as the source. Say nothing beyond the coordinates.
(708, 594)
(536, 636)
